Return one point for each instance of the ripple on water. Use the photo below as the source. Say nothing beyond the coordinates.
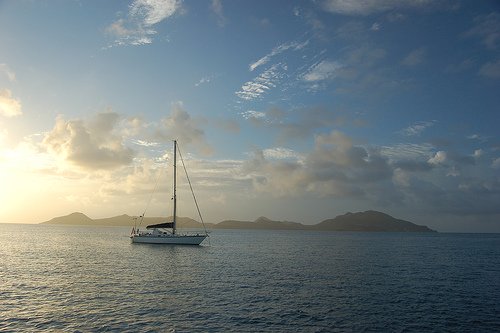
(85, 279)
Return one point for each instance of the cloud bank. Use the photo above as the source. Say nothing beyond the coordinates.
(179, 125)
(91, 145)
(411, 175)
(335, 167)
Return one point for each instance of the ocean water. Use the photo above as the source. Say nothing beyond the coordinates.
(92, 279)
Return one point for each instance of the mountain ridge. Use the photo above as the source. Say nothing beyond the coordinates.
(367, 221)
(372, 221)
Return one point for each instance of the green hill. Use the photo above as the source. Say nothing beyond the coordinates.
(121, 220)
(369, 221)
(260, 223)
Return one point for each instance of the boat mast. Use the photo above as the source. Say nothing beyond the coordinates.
(175, 196)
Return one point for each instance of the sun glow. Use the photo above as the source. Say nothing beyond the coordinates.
(25, 187)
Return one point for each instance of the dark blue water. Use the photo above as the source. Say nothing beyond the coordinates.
(88, 279)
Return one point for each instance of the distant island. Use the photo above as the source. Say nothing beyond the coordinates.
(368, 221)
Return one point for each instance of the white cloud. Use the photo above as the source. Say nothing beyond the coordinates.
(135, 36)
(454, 158)
(417, 128)
(278, 177)
(151, 12)
(277, 50)
(375, 26)
(253, 114)
(491, 69)
(9, 106)
(92, 145)
(478, 153)
(439, 158)
(177, 125)
(280, 153)
(335, 167)
(146, 143)
(143, 15)
(257, 87)
(407, 151)
(368, 7)
(298, 124)
(138, 180)
(478, 137)
(7, 71)
(118, 29)
(180, 126)
(204, 80)
(322, 71)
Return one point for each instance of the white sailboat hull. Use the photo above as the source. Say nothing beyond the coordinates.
(169, 239)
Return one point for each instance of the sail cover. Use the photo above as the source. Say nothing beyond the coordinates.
(161, 225)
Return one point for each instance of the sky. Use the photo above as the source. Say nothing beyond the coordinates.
(293, 110)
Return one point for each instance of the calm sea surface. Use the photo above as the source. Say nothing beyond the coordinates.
(92, 279)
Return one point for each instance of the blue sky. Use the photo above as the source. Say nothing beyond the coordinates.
(296, 110)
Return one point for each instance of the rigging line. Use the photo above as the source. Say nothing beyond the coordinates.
(150, 197)
(192, 192)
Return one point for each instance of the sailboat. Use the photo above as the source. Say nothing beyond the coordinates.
(166, 233)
